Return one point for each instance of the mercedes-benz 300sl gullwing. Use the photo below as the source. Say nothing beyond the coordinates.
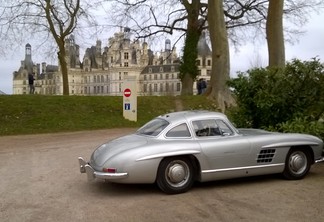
(176, 149)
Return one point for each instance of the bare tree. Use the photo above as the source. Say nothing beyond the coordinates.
(41, 20)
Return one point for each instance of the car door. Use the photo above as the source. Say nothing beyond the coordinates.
(221, 146)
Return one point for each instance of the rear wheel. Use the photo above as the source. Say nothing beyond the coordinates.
(298, 162)
(175, 175)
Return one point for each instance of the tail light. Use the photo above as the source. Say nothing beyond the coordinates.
(109, 170)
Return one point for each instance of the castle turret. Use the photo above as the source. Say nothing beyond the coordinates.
(28, 59)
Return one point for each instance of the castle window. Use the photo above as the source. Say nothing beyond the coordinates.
(125, 55)
(178, 86)
(167, 76)
(167, 87)
(155, 77)
(208, 62)
(145, 88)
(172, 68)
(145, 77)
(150, 70)
(161, 87)
(161, 69)
(198, 62)
(126, 64)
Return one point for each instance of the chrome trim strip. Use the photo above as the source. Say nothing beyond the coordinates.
(242, 168)
(175, 153)
(289, 144)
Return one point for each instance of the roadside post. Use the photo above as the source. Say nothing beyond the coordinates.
(130, 98)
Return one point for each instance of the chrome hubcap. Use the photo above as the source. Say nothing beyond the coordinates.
(298, 162)
(177, 173)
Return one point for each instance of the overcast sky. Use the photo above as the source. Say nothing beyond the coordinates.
(310, 44)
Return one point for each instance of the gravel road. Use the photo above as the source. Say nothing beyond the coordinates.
(40, 181)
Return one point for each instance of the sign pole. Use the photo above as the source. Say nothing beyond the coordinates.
(130, 98)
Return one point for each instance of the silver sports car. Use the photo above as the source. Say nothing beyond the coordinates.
(177, 149)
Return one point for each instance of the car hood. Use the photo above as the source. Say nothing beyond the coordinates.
(116, 146)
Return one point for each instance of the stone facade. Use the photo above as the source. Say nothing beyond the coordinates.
(103, 69)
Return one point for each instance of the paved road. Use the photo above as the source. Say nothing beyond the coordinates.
(40, 181)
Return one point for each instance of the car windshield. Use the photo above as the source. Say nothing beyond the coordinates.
(153, 128)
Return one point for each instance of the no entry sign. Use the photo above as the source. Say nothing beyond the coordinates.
(127, 92)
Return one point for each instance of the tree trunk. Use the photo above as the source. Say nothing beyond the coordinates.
(188, 68)
(217, 89)
(63, 65)
(187, 85)
(64, 69)
(275, 36)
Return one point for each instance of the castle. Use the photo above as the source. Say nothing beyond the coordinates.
(103, 69)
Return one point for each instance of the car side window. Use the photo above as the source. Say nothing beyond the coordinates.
(179, 131)
(206, 128)
(224, 128)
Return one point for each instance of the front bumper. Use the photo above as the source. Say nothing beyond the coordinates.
(92, 174)
(320, 160)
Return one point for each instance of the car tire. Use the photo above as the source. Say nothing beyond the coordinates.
(298, 162)
(175, 175)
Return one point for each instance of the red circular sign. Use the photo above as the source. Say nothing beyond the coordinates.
(127, 92)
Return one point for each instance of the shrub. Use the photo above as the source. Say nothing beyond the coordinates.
(278, 97)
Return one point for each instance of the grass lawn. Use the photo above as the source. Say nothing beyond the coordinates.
(29, 114)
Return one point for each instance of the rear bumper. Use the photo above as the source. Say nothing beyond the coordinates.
(92, 174)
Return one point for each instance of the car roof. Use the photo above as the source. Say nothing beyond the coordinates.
(191, 115)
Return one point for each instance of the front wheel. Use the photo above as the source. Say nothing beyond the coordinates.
(298, 164)
(175, 175)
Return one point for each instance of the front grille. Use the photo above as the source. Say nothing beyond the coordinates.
(266, 156)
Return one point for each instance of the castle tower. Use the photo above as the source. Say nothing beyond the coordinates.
(28, 59)
(167, 45)
(168, 51)
(98, 48)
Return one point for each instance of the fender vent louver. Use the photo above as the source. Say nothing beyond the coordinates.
(266, 156)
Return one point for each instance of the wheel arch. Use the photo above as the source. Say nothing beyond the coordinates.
(306, 148)
(193, 159)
